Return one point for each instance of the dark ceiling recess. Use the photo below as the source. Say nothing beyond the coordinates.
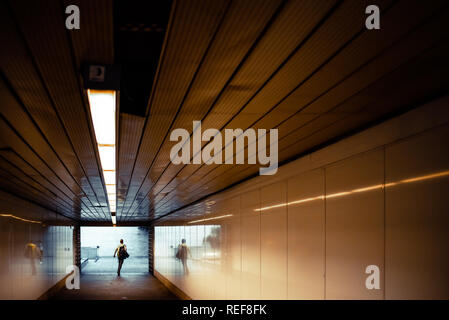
(139, 33)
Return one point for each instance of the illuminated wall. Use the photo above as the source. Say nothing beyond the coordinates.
(33, 255)
(309, 232)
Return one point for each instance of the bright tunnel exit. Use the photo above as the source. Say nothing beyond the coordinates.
(99, 243)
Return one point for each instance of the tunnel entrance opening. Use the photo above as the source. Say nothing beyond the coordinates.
(99, 243)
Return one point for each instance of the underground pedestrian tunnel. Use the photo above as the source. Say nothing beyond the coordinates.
(119, 129)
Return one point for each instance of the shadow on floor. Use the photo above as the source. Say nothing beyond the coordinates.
(111, 287)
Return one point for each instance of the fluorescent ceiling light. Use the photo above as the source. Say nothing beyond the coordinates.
(7, 215)
(110, 189)
(109, 177)
(107, 157)
(214, 218)
(102, 109)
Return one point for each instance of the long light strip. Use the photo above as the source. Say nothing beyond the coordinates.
(214, 218)
(345, 193)
(102, 109)
(7, 215)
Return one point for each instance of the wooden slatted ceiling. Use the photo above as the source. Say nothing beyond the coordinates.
(351, 120)
(309, 68)
(45, 118)
(320, 93)
(269, 53)
(64, 89)
(193, 25)
(206, 94)
(226, 51)
(44, 196)
(14, 159)
(130, 130)
(420, 77)
(378, 67)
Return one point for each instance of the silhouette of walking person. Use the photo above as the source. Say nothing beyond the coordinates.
(183, 253)
(122, 254)
(32, 252)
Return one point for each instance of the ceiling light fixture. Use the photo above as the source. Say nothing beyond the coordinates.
(103, 109)
(7, 215)
(214, 218)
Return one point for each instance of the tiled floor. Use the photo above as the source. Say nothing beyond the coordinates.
(111, 287)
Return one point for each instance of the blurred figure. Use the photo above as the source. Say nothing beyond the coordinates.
(122, 254)
(41, 251)
(32, 252)
(183, 253)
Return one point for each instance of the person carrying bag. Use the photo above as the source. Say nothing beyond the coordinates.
(122, 254)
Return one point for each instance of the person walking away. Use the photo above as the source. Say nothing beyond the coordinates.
(32, 252)
(183, 253)
(121, 255)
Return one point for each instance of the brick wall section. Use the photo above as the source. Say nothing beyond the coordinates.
(77, 246)
(151, 249)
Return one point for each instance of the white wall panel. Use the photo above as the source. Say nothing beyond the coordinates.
(417, 217)
(273, 242)
(250, 237)
(231, 254)
(306, 236)
(28, 249)
(377, 198)
(354, 225)
(26, 272)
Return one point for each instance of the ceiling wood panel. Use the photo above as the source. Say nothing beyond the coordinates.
(398, 54)
(333, 32)
(45, 34)
(13, 158)
(228, 51)
(47, 194)
(41, 65)
(387, 102)
(278, 36)
(193, 26)
(11, 182)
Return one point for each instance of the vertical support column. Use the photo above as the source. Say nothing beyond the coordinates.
(151, 249)
(77, 246)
